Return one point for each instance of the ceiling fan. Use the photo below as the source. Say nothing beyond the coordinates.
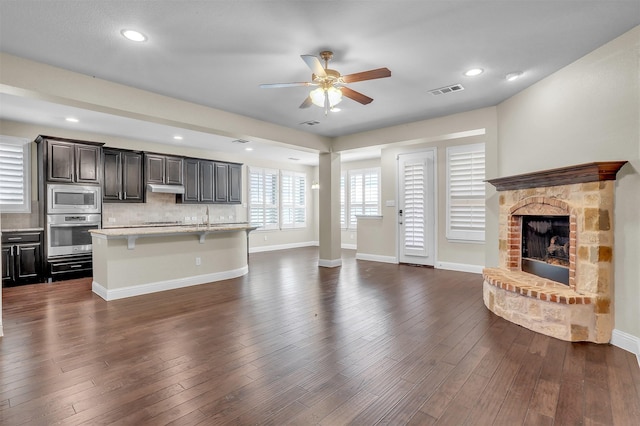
(331, 85)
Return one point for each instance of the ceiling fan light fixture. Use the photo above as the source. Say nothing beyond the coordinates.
(334, 94)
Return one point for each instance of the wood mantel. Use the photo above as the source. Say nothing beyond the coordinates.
(581, 173)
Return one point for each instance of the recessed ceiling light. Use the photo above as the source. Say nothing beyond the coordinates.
(473, 72)
(133, 35)
(514, 75)
(72, 120)
(178, 137)
(248, 148)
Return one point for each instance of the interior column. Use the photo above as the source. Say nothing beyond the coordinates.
(329, 210)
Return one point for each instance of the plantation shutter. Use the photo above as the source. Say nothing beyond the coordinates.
(466, 192)
(413, 215)
(293, 195)
(14, 175)
(263, 198)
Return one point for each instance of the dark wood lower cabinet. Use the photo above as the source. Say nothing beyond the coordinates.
(67, 267)
(21, 258)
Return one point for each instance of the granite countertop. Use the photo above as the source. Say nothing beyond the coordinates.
(177, 229)
(22, 229)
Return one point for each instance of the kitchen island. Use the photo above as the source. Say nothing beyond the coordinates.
(140, 260)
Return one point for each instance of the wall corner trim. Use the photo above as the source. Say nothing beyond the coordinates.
(626, 341)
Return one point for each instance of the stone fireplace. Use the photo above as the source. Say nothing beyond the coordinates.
(555, 273)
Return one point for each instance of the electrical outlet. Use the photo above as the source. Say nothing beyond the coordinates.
(187, 219)
(194, 219)
(112, 220)
(265, 238)
(198, 261)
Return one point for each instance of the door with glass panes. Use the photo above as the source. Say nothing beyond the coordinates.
(416, 208)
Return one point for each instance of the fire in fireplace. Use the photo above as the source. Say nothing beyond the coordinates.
(545, 247)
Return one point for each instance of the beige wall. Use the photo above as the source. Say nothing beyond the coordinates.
(470, 127)
(588, 111)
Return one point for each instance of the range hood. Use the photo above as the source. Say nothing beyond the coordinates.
(165, 189)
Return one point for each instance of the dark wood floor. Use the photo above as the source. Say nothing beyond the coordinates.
(368, 343)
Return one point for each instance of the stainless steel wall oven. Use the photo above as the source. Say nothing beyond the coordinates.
(68, 234)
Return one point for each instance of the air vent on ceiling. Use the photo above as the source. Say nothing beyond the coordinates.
(239, 141)
(447, 89)
(294, 159)
(310, 123)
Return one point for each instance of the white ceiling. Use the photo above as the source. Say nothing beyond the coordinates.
(216, 53)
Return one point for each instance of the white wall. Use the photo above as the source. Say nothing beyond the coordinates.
(586, 112)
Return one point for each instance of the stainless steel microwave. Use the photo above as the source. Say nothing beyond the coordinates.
(63, 199)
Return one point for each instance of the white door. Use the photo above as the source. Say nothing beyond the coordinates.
(416, 208)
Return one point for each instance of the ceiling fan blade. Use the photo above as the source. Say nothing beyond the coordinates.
(367, 75)
(307, 103)
(278, 85)
(315, 65)
(356, 96)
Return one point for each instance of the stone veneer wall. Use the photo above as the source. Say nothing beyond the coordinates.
(581, 311)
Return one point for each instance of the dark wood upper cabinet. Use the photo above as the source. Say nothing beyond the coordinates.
(173, 170)
(71, 161)
(198, 181)
(163, 169)
(206, 181)
(235, 183)
(87, 163)
(211, 182)
(222, 182)
(123, 176)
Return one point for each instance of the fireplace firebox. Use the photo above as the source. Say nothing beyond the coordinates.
(545, 247)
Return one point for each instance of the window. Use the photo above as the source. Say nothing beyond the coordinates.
(293, 190)
(361, 196)
(15, 175)
(263, 198)
(466, 192)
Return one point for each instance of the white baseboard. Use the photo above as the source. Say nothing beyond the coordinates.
(460, 267)
(349, 246)
(137, 290)
(376, 258)
(626, 341)
(283, 246)
(325, 263)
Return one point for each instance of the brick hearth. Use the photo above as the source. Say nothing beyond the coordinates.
(583, 310)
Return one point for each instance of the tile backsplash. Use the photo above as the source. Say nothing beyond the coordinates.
(161, 207)
(22, 220)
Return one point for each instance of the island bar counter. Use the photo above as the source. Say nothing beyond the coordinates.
(134, 261)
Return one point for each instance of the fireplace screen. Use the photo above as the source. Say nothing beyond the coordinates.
(545, 247)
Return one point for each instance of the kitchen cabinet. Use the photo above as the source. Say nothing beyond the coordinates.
(235, 183)
(163, 169)
(70, 161)
(222, 182)
(198, 181)
(228, 180)
(21, 258)
(68, 267)
(123, 176)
